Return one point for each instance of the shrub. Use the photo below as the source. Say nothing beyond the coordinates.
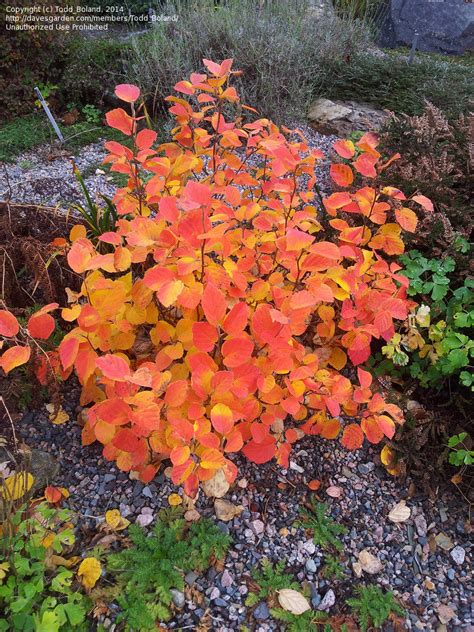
(281, 46)
(223, 316)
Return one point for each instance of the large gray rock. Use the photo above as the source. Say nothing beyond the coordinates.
(444, 26)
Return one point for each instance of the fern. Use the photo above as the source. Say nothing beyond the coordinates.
(270, 579)
(332, 567)
(373, 607)
(309, 621)
(153, 565)
(324, 529)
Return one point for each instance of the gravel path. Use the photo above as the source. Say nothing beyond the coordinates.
(424, 561)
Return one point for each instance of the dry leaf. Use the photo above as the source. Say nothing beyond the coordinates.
(445, 613)
(293, 601)
(192, 515)
(59, 417)
(370, 564)
(174, 500)
(217, 486)
(115, 520)
(89, 572)
(59, 560)
(17, 485)
(225, 510)
(334, 492)
(314, 485)
(400, 513)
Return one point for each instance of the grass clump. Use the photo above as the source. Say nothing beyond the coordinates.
(154, 565)
(324, 529)
(373, 607)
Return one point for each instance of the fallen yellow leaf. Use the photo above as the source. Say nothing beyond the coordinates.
(174, 500)
(115, 520)
(60, 417)
(89, 572)
(17, 485)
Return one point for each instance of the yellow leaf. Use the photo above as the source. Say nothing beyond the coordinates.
(174, 500)
(89, 572)
(60, 417)
(17, 485)
(4, 567)
(48, 540)
(115, 520)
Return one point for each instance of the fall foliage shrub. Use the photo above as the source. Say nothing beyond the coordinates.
(222, 317)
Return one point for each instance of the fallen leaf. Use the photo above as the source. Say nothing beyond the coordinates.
(314, 485)
(444, 541)
(334, 492)
(445, 613)
(192, 515)
(400, 513)
(293, 601)
(89, 572)
(57, 415)
(369, 563)
(174, 500)
(53, 494)
(217, 486)
(115, 520)
(59, 560)
(225, 510)
(357, 568)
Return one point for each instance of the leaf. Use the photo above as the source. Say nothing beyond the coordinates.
(127, 92)
(13, 357)
(225, 510)
(352, 437)
(222, 419)
(41, 326)
(407, 219)
(217, 486)
(8, 324)
(400, 512)
(293, 601)
(113, 367)
(174, 500)
(425, 202)
(370, 564)
(53, 494)
(314, 485)
(119, 119)
(345, 148)
(57, 414)
(213, 304)
(115, 520)
(342, 174)
(16, 485)
(89, 572)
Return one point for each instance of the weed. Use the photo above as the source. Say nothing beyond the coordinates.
(324, 529)
(332, 567)
(270, 579)
(155, 564)
(373, 607)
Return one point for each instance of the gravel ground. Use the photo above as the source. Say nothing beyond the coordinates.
(43, 177)
(425, 561)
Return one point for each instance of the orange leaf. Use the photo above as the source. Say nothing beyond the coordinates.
(342, 174)
(8, 324)
(119, 119)
(425, 202)
(41, 326)
(365, 165)
(13, 357)
(53, 494)
(68, 349)
(113, 367)
(314, 485)
(222, 419)
(204, 336)
(407, 219)
(237, 319)
(330, 429)
(213, 304)
(345, 148)
(352, 437)
(146, 138)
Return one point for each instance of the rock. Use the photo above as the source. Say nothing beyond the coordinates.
(44, 467)
(215, 593)
(444, 27)
(147, 492)
(217, 486)
(108, 478)
(343, 117)
(328, 600)
(311, 566)
(451, 573)
(444, 541)
(178, 598)
(261, 612)
(421, 526)
(458, 554)
(143, 520)
(369, 563)
(357, 568)
(257, 526)
(190, 578)
(445, 613)
(365, 468)
(226, 579)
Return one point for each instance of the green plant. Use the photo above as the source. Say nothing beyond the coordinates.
(47, 90)
(154, 564)
(309, 621)
(332, 567)
(270, 578)
(324, 529)
(91, 113)
(35, 594)
(459, 451)
(436, 342)
(99, 219)
(373, 607)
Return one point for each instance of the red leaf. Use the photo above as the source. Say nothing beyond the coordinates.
(52, 494)
(342, 174)
(213, 304)
(119, 119)
(41, 326)
(204, 336)
(68, 349)
(237, 319)
(8, 324)
(127, 92)
(113, 367)
(13, 357)
(260, 452)
(425, 202)
(126, 440)
(345, 148)
(352, 437)
(222, 418)
(146, 138)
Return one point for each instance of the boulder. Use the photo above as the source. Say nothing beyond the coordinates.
(343, 117)
(443, 26)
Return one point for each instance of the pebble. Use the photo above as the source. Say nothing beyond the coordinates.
(261, 612)
(190, 578)
(458, 554)
(311, 566)
(257, 527)
(178, 598)
(365, 468)
(328, 600)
